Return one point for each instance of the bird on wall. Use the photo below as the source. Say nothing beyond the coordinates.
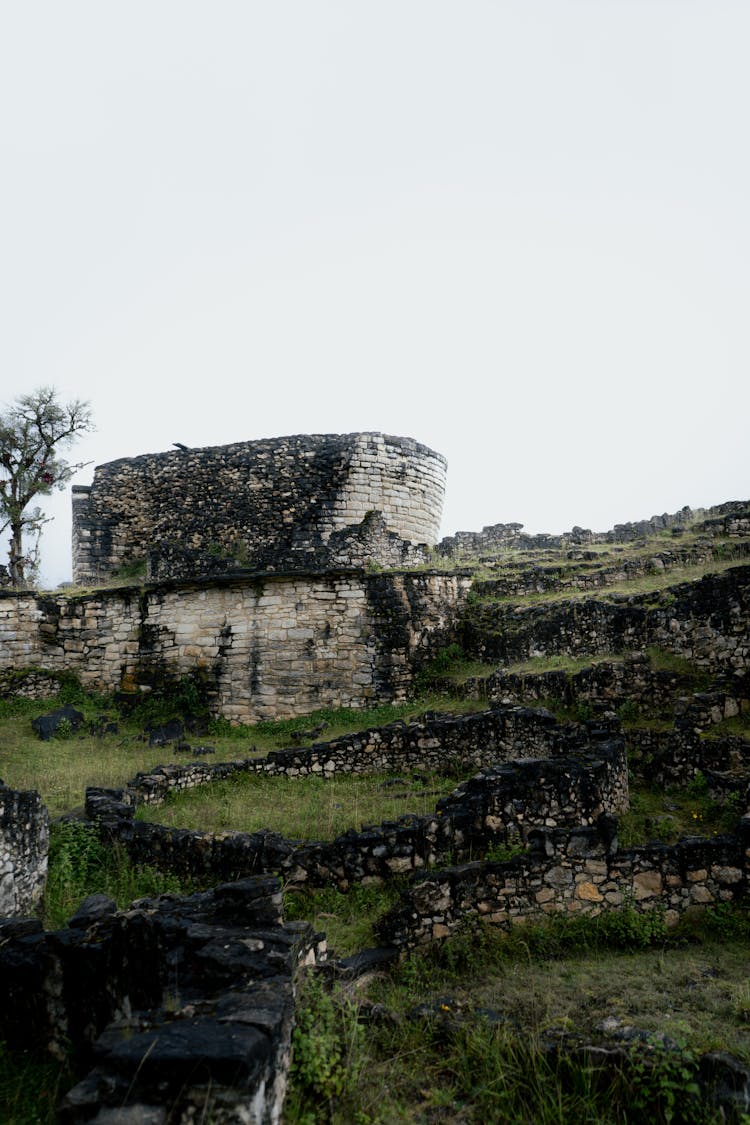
(180, 445)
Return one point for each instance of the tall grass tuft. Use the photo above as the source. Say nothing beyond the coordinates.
(80, 865)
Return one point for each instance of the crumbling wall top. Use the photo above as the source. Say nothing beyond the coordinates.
(269, 504)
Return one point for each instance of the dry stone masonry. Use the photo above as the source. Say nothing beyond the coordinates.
(24, 846)
(706, 622)
(269, 646)
(182, 1008)
(586, 778)
(294, 503)
(574, 871)
(731, 518)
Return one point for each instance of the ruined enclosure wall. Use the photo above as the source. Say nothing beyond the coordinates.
(646, 692)
(576, 576)
(261, 505)
(675, 757)
(265, 648)
(443, 743)
(573, 872)
(505, 536)
(209, 979)
(498, 806)
(707, 622)
(24, 848)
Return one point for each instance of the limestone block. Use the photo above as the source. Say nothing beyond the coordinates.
(701, 894)
(727, 874)
(646, 884)
(589, 892)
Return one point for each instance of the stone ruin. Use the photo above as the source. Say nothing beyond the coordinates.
(184, 1006)
(24, 846)
(303, 503)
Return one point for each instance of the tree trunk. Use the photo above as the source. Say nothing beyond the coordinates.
(16, 568)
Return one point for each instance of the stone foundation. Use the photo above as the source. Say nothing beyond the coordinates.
(497, 807)
(182, 1007)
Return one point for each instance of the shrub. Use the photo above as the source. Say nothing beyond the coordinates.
(629, 711)
(327, 1052)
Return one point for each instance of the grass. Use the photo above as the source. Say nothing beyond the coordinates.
(667, 815)
(737, 727)
(462, 1032)
(347, 918)
(80, 865)
(278, 734)
(560, 663)
(309, 808)
(62, 768)
(31, 1088)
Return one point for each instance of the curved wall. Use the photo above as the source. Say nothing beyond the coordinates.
(269, 504)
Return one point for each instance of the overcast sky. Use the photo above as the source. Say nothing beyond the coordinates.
(515, 230)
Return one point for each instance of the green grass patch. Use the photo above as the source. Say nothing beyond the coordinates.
(560, 663)
(80, 865)
(656, 584)
(461, 1028)
(62, 768)
(31, 1087)
(306, 808)
(346, 917)
(666, 815)
(737, 727)
(279, 734)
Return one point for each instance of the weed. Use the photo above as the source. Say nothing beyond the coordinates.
(629, 711)
(663, 1086)
(80, 864)
(728, 920)
(327, 1054)
(64, 729)
(503, 853)
(132, 571)
(30, 1087)
(698, 785)
(184, 698)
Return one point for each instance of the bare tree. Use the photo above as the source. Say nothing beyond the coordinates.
(33, 431)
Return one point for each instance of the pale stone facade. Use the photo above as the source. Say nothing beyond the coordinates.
(269, 647)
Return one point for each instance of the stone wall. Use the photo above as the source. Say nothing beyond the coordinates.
(261, 505)
(575, 872)
(182, 1007)
(609, 685)
(24, 847)
(574, 575)
(270, 646)
(497, 807)
(707, 622)
(511, 536)
(729, 519)
(28, 683)
(675, 757)
(439, 743)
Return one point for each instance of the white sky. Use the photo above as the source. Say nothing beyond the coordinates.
(515, 230)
